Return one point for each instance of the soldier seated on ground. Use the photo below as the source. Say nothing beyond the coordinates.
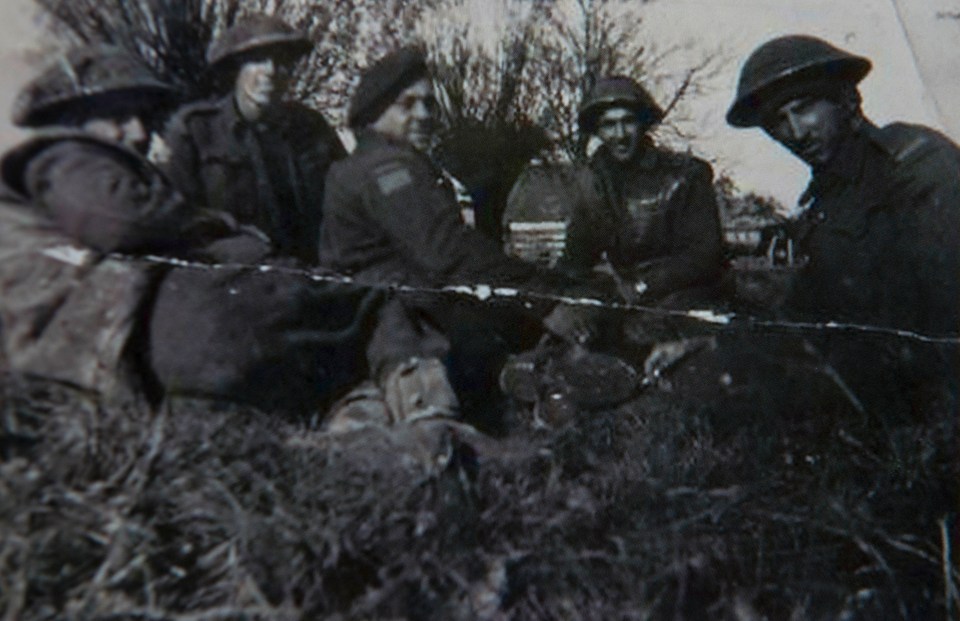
(247, 151)
(879, 233)
(273, 337)
(389, 220)
(69, 311)
(640, 217)
(647, 215)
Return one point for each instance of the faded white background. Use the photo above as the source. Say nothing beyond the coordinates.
(916, 74)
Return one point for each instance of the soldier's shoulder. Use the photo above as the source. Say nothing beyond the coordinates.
(303, 125)
(684, 162)
(199, 108)
(380, 165)
(202, 111)
(379, 154)
(907, 142)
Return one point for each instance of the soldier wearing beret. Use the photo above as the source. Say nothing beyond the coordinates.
(649, 213)
(83, 189)
(880, 226)
(389, 218)
(249, 153)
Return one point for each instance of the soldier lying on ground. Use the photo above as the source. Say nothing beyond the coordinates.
(389, 220)
(73, 313)
(880, 228)
(249, 153)
(82, 190)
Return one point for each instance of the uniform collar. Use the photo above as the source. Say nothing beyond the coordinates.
(368, 138)
(238, 124)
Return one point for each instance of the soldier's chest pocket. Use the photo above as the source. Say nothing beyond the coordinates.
(225, 176)
(647, 215)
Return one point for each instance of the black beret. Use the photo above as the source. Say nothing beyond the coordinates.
(383, 81)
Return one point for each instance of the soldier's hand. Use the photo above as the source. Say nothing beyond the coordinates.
(576, 325)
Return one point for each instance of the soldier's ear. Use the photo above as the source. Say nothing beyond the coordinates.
(851, 101)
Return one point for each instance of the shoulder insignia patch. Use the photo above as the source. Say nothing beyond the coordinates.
(391, 179)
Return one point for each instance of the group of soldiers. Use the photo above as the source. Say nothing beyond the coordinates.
(250, 258)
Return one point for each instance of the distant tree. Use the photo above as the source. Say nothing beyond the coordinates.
(172, 36)
(532, 69)
(535, 67)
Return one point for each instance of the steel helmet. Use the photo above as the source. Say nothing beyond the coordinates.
(617, 91)
(781, 67)
(84, 76)
(257, 33)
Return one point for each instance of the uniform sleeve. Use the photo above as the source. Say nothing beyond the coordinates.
(311, 135)
(697, 239)
(927, 191)
(424, 223)
(103, 201)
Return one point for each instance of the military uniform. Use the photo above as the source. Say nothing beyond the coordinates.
(881, 233)
(390, 218)
(69, 312)
(268, 174)
(654, 219)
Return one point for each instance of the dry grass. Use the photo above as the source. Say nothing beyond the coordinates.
(657, 510)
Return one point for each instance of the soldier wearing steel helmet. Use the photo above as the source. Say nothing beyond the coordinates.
(83, 189)
(880, 226)
(249, 152)
(647, 213)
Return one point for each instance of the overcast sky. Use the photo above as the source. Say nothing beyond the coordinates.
(916, 74)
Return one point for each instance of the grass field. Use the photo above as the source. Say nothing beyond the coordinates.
(664, 508)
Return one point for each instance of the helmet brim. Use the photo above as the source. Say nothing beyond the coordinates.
(294, 45)
(649, 116)
(51, 110)
(748, 109)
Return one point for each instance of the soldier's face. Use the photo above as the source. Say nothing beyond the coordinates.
(620, 131)
(128, 131)
(411, 116)
(261, 82)
(812, 128)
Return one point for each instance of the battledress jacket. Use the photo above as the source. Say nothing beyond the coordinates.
(269, 174)
(881, 234)
(655, 220)
(68, 310)
(390, 218)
